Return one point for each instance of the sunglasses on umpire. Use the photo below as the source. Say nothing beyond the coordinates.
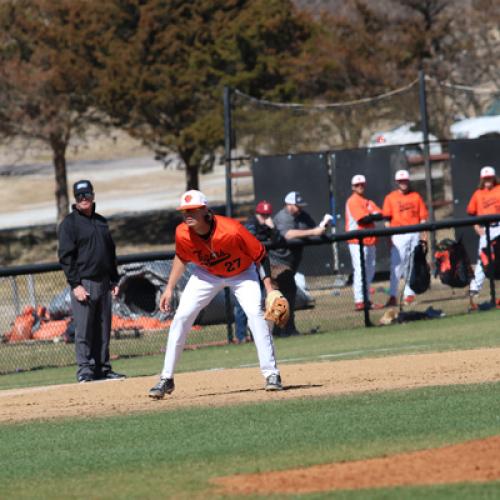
(84, 196)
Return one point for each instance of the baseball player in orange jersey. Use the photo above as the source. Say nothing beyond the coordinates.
(403, 207)
(484, 201)
(225, 253)
(361, 213)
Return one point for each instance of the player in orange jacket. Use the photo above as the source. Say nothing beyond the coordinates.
(403, 207)
(361, 213)
(484, 201)
(224, 254)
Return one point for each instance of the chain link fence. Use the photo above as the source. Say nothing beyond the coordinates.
(35, 316)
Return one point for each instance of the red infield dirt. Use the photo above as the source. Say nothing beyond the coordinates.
(473, 461)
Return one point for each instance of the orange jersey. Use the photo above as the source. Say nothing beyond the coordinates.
(485, 202)
(356, 208)
(230, 250)
(404, 209)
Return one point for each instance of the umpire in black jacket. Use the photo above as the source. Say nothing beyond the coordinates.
(88, 258)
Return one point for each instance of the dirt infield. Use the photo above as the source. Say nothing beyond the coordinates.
(473, 461)
(222, 387)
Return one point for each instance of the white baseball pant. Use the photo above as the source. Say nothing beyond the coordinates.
(201, 288)
(401, 261)
(477, 282)
(357, 282)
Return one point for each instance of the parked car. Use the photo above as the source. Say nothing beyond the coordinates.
(407, 133)
(487, 125)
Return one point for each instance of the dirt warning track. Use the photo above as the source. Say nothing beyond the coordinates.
(235, 386)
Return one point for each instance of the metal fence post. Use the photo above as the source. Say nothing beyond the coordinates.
(427, 162)
(15, 295)
(229, 324)
(31, 290)
(228, 146)
(492, 274)
(366, 295)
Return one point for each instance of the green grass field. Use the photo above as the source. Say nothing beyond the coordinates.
(175, 454)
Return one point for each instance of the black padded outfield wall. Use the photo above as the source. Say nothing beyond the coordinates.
(378, 165)
(275, 176)
(467, 157)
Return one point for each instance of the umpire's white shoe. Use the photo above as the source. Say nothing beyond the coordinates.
(273, 383)
(164, 386)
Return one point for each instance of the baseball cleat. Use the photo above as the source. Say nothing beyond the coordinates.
(111, 375)
(273, 383)
(164, 386)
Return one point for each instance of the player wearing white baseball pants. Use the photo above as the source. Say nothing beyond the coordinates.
(477, 282)
(357, 281)
(401, 255)
(201, 288)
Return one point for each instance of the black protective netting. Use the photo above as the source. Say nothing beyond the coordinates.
(263, 128)
(451, 108)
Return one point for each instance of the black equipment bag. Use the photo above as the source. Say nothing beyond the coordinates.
(453, 264)
(492, 269)
(420, 277)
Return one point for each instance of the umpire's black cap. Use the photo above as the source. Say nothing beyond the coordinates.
(82, 187)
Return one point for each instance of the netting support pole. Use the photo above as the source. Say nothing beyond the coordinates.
(31, 290)
(15, 295)
(228, 146)
(366, 292)
(427, 161)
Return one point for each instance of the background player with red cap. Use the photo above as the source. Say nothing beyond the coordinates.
(361, 213)
(484, 201)
(224, 253)
(403, 207)
(261, 225)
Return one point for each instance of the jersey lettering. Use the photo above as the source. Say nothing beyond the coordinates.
(211, 259)
(404, 209)
(230, 249)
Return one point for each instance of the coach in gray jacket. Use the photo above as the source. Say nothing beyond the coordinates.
(293, 222)
(88, 258)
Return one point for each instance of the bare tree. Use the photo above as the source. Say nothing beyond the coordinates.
(45, 77)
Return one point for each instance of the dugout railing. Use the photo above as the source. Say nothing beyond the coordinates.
(32, 301)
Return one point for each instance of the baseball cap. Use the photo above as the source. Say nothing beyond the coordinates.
(264, 208)
(82, 187)
(488, 172)
(192, 199)
(295, 198)
(402, 175)
(358, 179)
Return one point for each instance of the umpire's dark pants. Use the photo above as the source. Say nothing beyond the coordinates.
(93, 328)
